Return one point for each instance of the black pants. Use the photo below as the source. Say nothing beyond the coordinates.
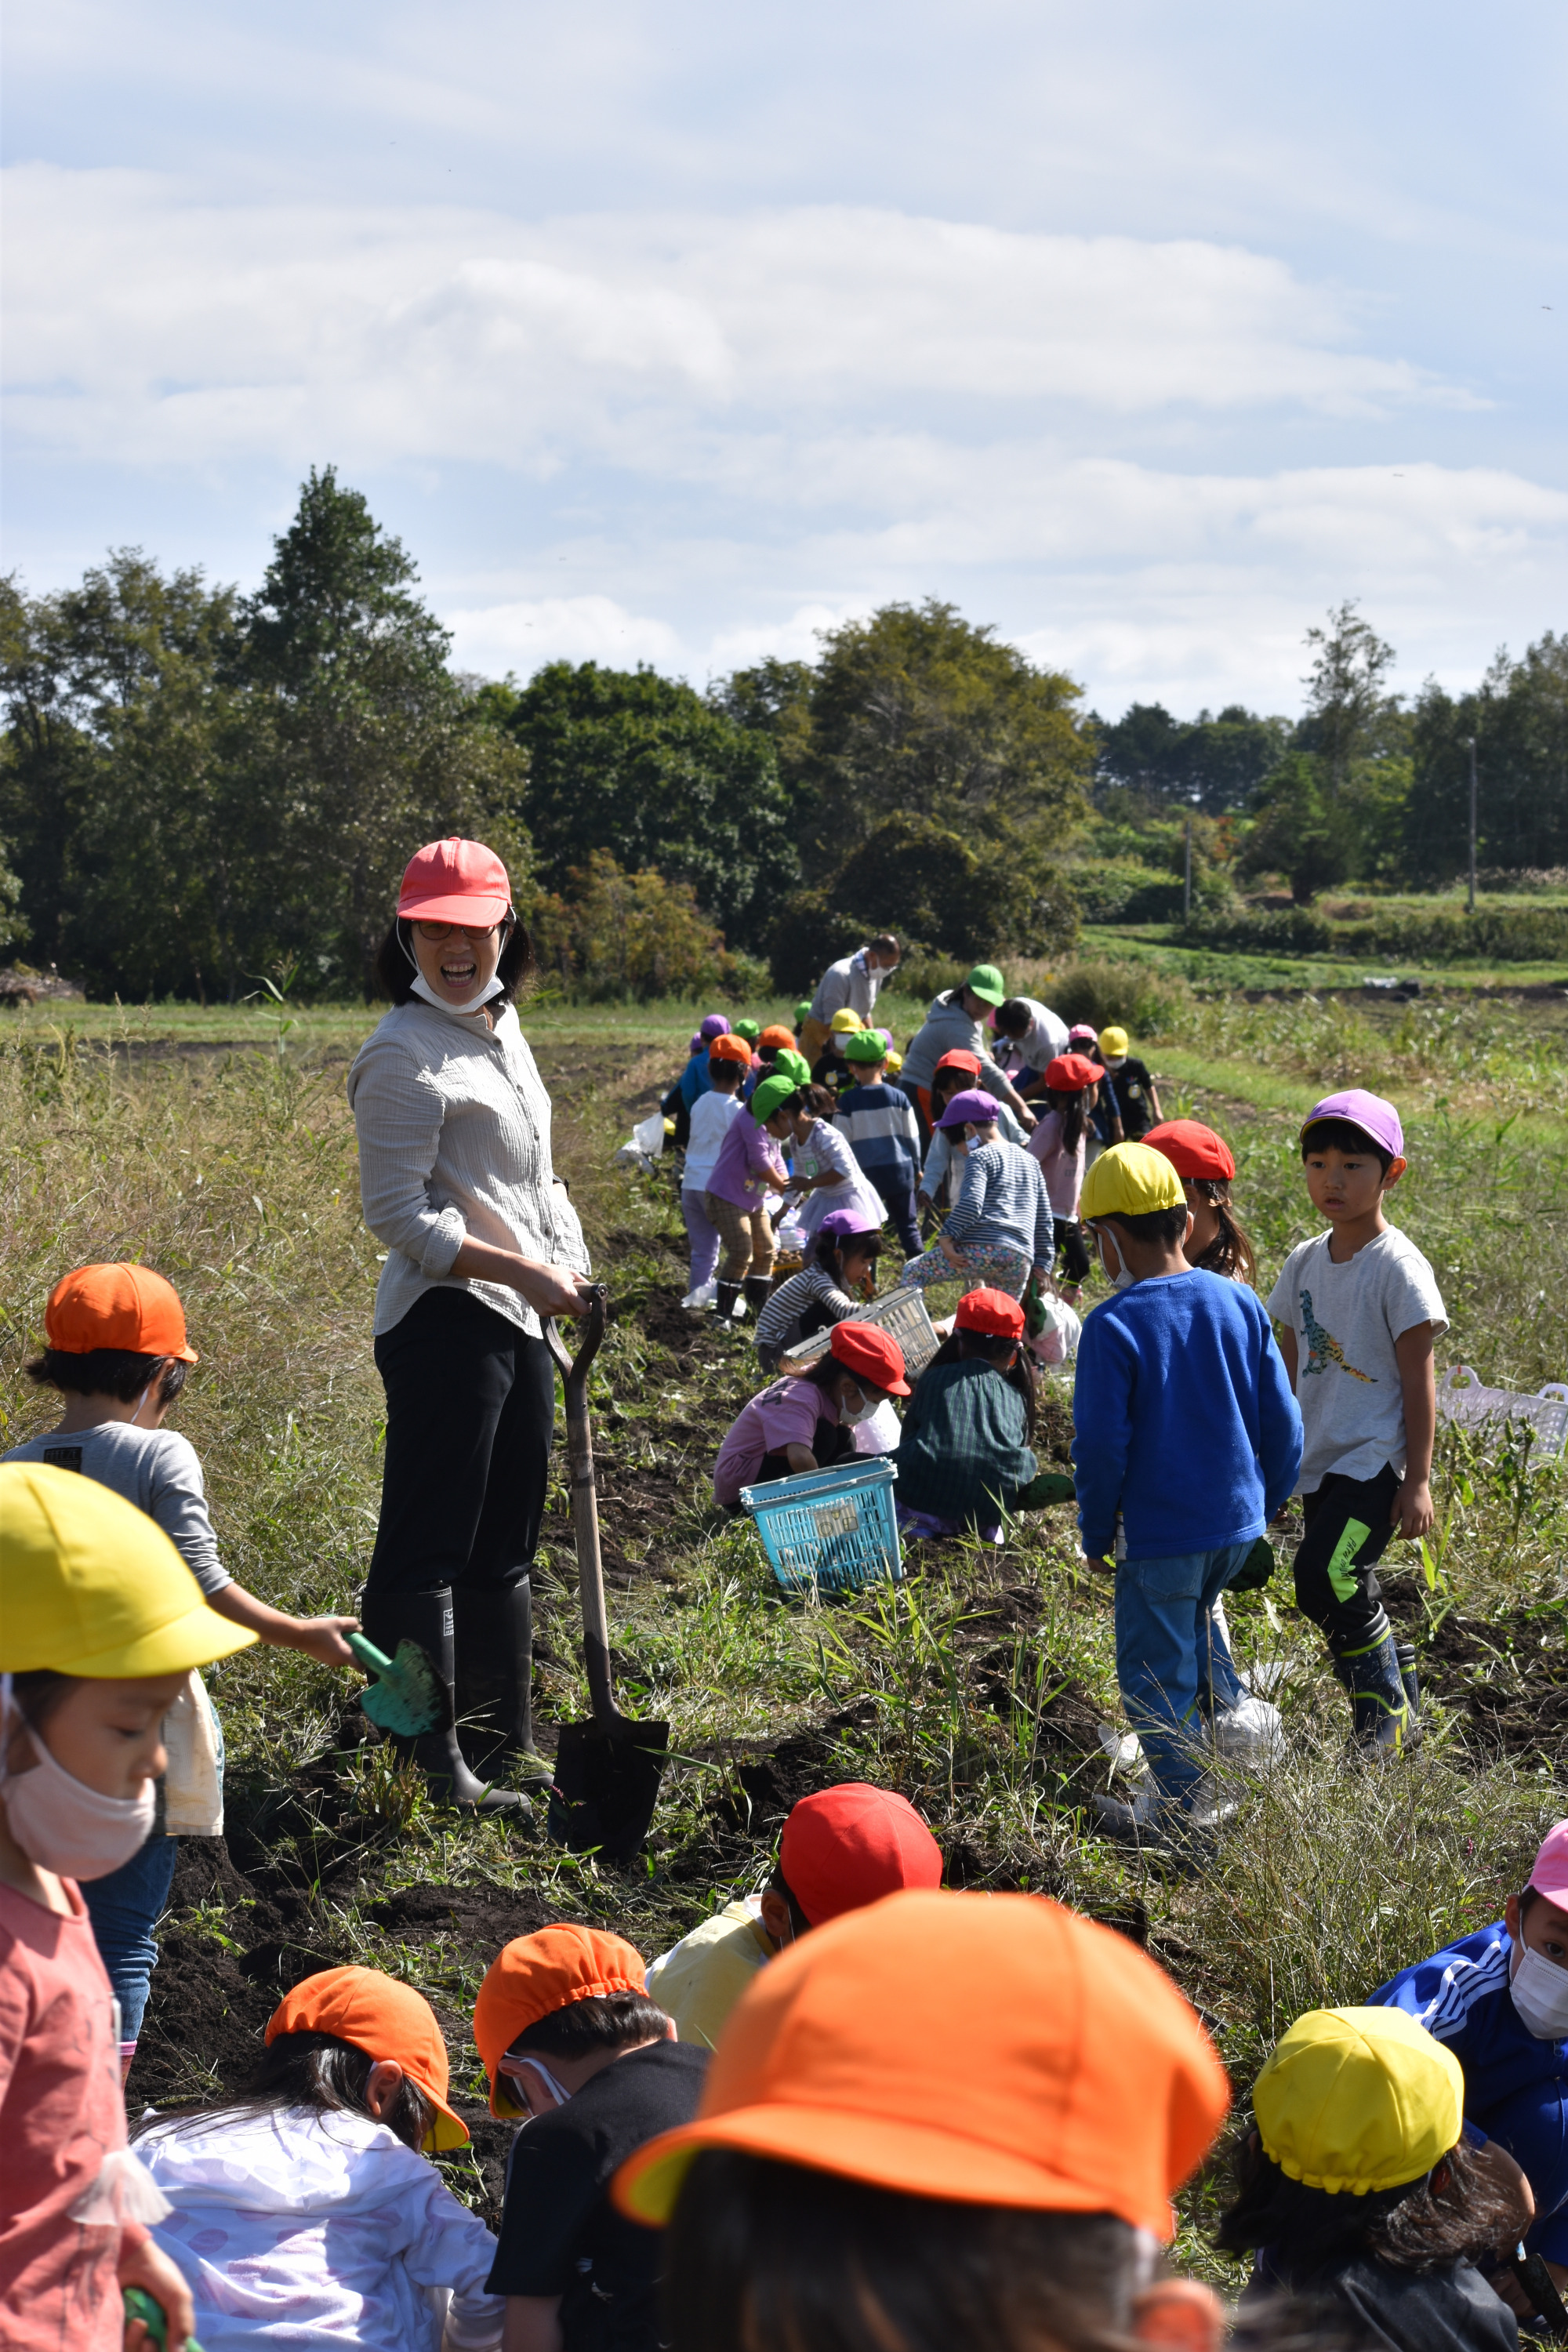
(471, 1415)
(1071, 1246)
(1348, 1531)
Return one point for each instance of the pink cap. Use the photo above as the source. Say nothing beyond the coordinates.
(1376, 1117)
(1548, 1871)
(455, 881)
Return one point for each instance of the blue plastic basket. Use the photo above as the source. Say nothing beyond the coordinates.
(830, 1530)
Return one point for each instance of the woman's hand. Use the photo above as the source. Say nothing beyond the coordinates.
(549, 1289)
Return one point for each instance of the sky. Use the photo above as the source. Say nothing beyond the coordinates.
(1144, 333)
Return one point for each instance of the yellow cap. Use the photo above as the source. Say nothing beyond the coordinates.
(1358, 2100)
(1114, 1041)
(844, 1021)
(1129, 1181)
(895, 1063)
(91, 1586)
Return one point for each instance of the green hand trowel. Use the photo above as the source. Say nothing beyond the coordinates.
(406, 1694)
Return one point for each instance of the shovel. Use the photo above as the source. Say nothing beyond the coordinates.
(608, 1771)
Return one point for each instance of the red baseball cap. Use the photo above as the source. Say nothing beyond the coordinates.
(1193, 1148)
(993, 1311)
(1070, 1073)
(871, 1355)
(849, 1846)
(383, 2018)
(455, 881)
(960, 1060)
(126, 1306)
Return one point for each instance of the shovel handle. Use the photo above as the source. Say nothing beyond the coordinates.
(573, 1371)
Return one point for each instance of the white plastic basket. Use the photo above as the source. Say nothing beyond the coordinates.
(1463, 1397)
(900, 1313)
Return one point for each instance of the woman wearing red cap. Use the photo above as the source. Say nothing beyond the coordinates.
(482, 1241)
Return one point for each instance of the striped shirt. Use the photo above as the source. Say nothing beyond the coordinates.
(941, 1161)
(454, 1144)
(881, 1127)
(782, 1319)
(1002, 1200)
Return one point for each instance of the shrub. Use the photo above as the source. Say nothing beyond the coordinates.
(1141, 997)
(1502, 935)
(633, 935)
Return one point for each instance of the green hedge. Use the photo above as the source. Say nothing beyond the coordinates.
(1496, 935)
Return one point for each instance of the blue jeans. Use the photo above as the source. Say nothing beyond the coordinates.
(1172, 1661)
(124, 1909)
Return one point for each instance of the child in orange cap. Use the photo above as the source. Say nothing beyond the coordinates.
(572, 2043)
(978, 2150)
(304, 2210)
(841, 1849)
(964, 1455)
(116, 1349)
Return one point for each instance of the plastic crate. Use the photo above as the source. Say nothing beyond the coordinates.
(1463, 1397)
(900, 1313)
(830, 1530)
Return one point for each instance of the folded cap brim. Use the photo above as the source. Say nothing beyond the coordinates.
(197, 1639)
(447, 909)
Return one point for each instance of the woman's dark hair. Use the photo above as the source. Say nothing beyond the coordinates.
(1344, 1135)
(606, 2020)
(760, 2252)
(1152, 1225)
(117, 1373)
(397, 971)
(1072, 1109)
(329, 2076)
(832, 1249)
(1455, 2210)
(1230, 1252)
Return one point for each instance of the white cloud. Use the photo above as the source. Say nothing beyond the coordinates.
(494, 638)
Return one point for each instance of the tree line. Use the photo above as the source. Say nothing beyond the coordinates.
(199, 788)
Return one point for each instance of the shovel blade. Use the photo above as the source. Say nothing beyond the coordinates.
(606, 1786)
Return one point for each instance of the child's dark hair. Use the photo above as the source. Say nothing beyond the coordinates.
(779, 1884)
(38, 1692)
(764, 2253)
(725, 1074)
(1072, 1109)
(818, 1100)
(1152, 1225)
(1454, 2211)
(1344, 1135)
(397, 971)
(329, 2076)
(944, 1083)
(1231, 1252)
(826, 1371)
(117, 1373)
(832, 1249)
(991, 1347)
(584, 2029)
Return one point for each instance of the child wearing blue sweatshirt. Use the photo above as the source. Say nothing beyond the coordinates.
(1186, 1430)
(877, 1121)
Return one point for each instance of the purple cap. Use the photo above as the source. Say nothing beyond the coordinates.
(696, 1044)
(714, 1026)
(974, 1104)
(848, 1221)
(887, 1037)
(1376, 1117)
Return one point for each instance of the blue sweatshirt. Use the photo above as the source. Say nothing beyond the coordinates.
(1516, 2085)
(1182, 1418)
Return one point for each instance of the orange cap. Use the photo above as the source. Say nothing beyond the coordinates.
(775, 1033)
(385, 2019)
(729, 1048)
(455, 881)
(533, 1975)
(994, 2050)
(122, 1306)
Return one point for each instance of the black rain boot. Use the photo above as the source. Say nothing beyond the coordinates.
(1381, 1711)
(758, 1289)
(724, 1299)
(1405, 1654)
(492, 1627)
(427, 1618)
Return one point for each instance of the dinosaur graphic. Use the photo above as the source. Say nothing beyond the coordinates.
(1323, 1349)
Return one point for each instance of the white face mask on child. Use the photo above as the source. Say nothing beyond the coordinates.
(1122, 1279)
(1538, 1989)
(863, 1410)
(60, 1822)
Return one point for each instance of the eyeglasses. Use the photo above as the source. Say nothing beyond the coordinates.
(472, 932)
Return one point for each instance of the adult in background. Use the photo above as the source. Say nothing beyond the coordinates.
(482, 1241)
(1029, 1036)
(850, 986)
(956, 1024)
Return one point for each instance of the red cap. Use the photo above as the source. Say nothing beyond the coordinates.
(871, 1355)
(959, 1060)
(729, 1048)
(993, 1311)
(455, 881)
(126, 1306)
(1070, 1073)
(1193, 1148)
(849, 1846)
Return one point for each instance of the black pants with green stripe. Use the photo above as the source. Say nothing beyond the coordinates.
(1348, 1530)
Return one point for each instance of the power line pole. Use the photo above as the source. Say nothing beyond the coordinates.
(1188, 875)
(1472, 899)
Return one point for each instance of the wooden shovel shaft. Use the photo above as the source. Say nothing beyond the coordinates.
(574, 1373)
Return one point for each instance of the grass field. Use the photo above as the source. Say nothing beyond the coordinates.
(218, 1145)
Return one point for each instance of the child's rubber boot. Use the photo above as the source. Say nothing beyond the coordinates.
(389, 1617)
(493, 1630)
(1382, 1724)
(1130, 1821)
(1405, 1654)
(758, 1289)
(726, 1298)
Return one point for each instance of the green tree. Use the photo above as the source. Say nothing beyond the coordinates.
(1215, 764)
(1519, 718)
(1303, 830)
(1348, 715)
(646, 769)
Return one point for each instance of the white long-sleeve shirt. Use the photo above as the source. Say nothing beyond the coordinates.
(318, 2232)
(454, 1144)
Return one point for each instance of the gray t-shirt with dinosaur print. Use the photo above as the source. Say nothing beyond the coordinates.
(1346, 1319)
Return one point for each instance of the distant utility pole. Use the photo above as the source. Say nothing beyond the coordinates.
(1472, 898)
(1187, 875)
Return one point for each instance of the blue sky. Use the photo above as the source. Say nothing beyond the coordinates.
(1143, 332)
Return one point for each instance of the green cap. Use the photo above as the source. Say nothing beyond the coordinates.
(801, 1010)
(787, 1063)
(866, 1046)
(750, 1030)
(770, 1094)
(986, 983)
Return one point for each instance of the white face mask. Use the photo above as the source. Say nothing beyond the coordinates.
(1540, 1991)
(557, 2088)
(1114, 1061)
(60, 1823)
(422, 987)
(863, 1410)
(1122, 1279)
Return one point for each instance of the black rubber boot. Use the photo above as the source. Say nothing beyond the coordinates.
(427, 1618)
(1405, 1654)
(758, 1289)
(724, 1299)
(493, 1626)
(1382, 1712)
